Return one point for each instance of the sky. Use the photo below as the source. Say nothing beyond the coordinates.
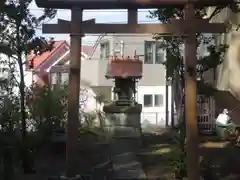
(101, 16)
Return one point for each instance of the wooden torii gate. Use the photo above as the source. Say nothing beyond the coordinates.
(186, 28)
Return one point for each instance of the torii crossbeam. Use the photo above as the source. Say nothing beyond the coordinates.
(124, 4)
(176, 28)
(186, 28)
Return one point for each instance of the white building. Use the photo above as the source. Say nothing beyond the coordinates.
(154, 104)
(151, 88)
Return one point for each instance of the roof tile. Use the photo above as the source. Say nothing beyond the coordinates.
(44, 56)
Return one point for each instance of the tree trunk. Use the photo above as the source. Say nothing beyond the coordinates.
(24, 149)
(180, 107)
(23, 118)
(182, 136)
(177, 91)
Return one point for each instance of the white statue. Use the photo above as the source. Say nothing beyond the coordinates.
(223, 118)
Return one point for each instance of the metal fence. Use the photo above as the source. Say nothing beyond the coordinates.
(156, 118)
(205, 116)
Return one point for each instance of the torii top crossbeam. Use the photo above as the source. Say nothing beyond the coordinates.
(124, 4)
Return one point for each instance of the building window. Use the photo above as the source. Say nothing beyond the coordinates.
(158, 100)
(104, 50)
(64, 78)
(160, 54)
(154, 53)
(148, 52)
(150, 100)
(54, 78)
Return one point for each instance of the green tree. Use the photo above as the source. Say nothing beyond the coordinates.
(17, 28)
(174, 58)
(46, 106)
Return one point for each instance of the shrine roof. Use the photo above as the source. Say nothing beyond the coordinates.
(124, 68)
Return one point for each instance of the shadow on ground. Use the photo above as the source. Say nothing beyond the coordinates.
(154, 156)
(51, 161)
(157, 150)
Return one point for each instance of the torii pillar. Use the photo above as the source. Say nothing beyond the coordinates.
(186, 28)
(73, 92)
(190, 60)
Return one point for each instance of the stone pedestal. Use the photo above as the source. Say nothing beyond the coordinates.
(124, 131)
(78, 177)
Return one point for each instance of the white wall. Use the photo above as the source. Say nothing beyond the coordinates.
(5, 60)
(156, 115)
(88, 96)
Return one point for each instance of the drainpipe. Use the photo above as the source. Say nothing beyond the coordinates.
(166, 105)
(121, 48)
(172, 104)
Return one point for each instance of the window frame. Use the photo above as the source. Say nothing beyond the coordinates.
(161, 51)
(146, 106)
(54, 79)
(153, 99)
(104, 50)
(146, 44)
(161, 100)
(60, 78)
(155, 46)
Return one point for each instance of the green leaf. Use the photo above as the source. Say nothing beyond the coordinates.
(6, 49)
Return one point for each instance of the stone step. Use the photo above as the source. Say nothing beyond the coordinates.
(123, 131)
(125, 165)
(124, 158)
(120, 146)
(131, 170)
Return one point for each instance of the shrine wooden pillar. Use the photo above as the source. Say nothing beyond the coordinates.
(190, 60)
(73, 92)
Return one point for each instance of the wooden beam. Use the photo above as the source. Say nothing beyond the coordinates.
(86, 22)
(63, 26)
(132, 16)
(164, 29)
(125, 4)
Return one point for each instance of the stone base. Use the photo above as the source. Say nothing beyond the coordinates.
(124, 131)
(123, 121)
(113, 108)
(78, 177)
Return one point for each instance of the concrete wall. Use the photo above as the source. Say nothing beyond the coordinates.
(94, 71)
(153, 74)
(228, 73)
(155, 115)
